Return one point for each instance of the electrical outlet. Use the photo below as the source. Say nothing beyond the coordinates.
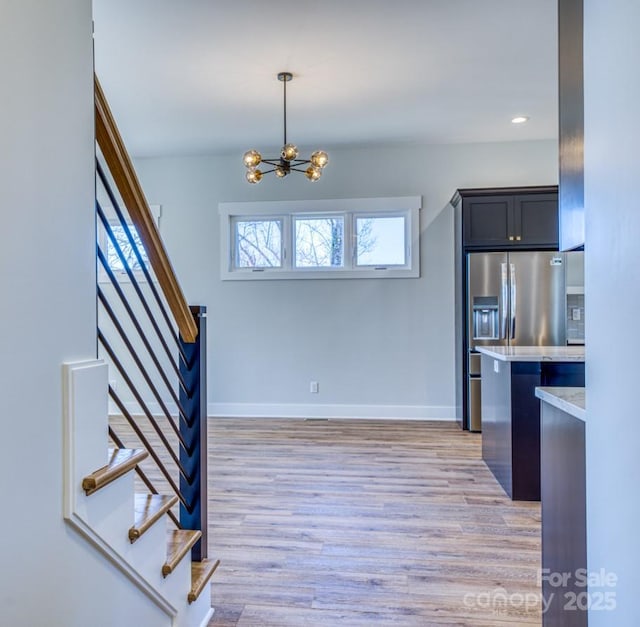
(314, 387)
(496, 365)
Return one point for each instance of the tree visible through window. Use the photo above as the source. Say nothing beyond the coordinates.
(320, 239)
(319, 242)
(258, 243)
(380, 241)
(115, 262)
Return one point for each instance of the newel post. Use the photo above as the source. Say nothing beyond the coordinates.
(194, 401)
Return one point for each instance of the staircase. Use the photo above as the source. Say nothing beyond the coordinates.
(156, 537)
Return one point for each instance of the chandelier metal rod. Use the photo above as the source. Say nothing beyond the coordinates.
(284, 84)
(278, 161)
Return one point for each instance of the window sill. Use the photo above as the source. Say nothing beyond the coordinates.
(268, 274)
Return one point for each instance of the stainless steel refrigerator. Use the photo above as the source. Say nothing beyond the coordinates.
(513, 299)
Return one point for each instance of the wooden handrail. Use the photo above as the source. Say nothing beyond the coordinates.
(121, 168)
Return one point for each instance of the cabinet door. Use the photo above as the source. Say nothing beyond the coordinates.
(536, 220)
(487, 220)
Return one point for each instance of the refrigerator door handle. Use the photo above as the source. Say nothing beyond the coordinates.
(504, 283)
(513, 299)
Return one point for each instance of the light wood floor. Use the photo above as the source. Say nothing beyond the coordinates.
(365, 523)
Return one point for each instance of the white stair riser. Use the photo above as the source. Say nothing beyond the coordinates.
(173, 585)
(109, 510)
(147, 553)
(196, 614)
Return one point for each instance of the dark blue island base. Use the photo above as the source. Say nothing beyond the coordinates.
(564, 516)
(511, 419)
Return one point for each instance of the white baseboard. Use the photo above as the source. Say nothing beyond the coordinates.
(308, 410)
(334, 411)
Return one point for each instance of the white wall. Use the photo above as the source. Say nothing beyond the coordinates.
(612, 91)
(377, 347)
(49, 576)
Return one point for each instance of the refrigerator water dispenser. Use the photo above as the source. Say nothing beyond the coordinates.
(485, 318)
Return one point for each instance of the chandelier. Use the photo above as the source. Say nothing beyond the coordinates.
(288, 160)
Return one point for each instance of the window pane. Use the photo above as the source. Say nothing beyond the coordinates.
(380, 241)
(115, 263)
(319, 242)
(258, 243)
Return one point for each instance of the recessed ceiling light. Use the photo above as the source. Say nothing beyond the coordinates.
(520, 119)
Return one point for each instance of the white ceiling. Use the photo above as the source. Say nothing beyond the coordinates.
(199, 76)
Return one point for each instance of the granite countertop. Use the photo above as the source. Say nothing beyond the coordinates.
(569, 400)
(534, 353)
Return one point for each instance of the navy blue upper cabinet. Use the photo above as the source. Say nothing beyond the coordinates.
(536, 220)
(571, 110)
(506, 218)
(486, 220)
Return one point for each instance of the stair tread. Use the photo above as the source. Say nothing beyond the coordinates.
(149, 508)
(121, 461)
(179, 543)
(201, 573)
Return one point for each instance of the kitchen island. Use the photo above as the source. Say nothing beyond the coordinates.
(564, 507)
(511, 410)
